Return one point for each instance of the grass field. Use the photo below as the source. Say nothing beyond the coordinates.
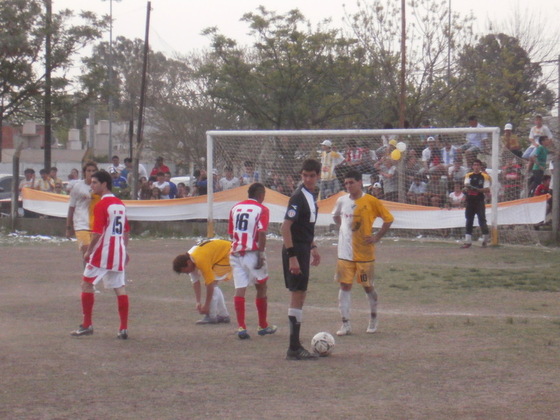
(463, 334)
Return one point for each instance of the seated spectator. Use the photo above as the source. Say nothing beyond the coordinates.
(432, 159)
(457, 197)
(457, 172)
(59, 189)
(448, 153)
(162, 185)
(436, 191)
(182, 190)
(53, 173)
(156, 194)
(118, 180)
(44, 183)
(417, 192)
(510, 141)
(376, 190)
(228, 181)
(172, 186)
(145, 189)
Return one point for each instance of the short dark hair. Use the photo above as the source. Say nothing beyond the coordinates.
(546, 178)
(180, 262)
(89, 163)
(248, 164)
(43, 171)
(311, 165)
(255, 189)
(54, 168)
(115, 156)
(160, 173)
(126, 160)
(477, 161)
(103, 176)
(473, 118)
(354, 174)
(541, 139)
(228, 169)
(29, 171)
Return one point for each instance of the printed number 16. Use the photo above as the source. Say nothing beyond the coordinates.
(241, 222)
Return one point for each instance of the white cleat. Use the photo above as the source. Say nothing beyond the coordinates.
(372, 327)
(346, 329)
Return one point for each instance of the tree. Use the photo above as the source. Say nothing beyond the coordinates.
(22, 68)
(500, 83)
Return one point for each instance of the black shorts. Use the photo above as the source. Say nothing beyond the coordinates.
(297, 282)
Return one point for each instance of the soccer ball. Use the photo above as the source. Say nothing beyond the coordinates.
(322, 344)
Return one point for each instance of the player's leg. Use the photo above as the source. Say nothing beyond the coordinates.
(481, 215)
(116, 280)
(91, 275)
(297, 285)
(365, 277)
(345, 272)
(261, 302)
(241, 281)
(469, 216)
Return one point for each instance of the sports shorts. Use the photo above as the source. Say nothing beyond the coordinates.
(297, 282)
(83, 237)
(221, 272)
(111, 279)
(244, 271)
(347, 271)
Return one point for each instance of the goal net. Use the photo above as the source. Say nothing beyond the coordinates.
(419, 173)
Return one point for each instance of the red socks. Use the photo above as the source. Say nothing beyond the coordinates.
(239, 304)
(87, 308)
(122, 302)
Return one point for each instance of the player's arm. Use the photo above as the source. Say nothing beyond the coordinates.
(289, 243)
(262, 245)
(70, 222)
(91, 247)
(373, 239)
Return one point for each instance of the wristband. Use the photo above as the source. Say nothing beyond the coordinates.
(291, 252)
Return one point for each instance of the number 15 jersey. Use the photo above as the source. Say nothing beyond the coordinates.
(109, 221)
(246, 220)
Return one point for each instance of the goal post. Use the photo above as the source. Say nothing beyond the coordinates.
(276, 157)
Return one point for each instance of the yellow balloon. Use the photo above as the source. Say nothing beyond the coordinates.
(396, 154)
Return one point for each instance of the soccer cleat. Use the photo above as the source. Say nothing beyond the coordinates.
(372, 327)
(82, 331)
(271, 329)
(300, 354)
(123, 334)
(464, 246)
(207, 320)
(243, 334)
(224, 319)
(345, 329)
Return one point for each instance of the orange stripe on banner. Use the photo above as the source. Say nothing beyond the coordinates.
(31, 194)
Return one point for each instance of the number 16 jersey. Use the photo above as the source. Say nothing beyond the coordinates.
(109, 221)
(246, 220)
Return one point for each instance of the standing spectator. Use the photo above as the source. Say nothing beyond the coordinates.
(44, 183)
(475, 142)
(145, 189)
(201, 182)
(432, 158)
(208, 261)
(159, 167)
(448, 154)
(512, 179)
(118, 180)
(127, 172)
(115, 164)
(417, 192)
(162, 185)
(476, 184)
(376, 190)
(106, 255)
(510, 141)
(228, 181)
(172, 185)
(388, 175)
(457, 172)
(73, 178)
(329, 160)
(543, 189)
(299, 251)
(28, 181)
(354, 214)
(248, 225)
(539, 162)
(250, 175)
(537, 131)
(353, 159)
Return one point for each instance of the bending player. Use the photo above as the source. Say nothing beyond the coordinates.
(355, 213)
(106, 255)
(248, 224)
(208, 260)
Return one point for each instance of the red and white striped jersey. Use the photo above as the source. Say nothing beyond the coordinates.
(109, 221)
(246, 220)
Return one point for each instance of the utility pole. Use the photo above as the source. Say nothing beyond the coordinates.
(48, 98)
(402, 108)
(556, 176)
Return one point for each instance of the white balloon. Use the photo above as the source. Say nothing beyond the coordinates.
(401, 146)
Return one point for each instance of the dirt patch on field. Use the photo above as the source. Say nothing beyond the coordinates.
(446, 347)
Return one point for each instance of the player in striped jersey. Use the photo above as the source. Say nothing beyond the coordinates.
(106, 255)
(248, 224)
(354, 214)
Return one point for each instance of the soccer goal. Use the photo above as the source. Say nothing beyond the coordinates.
(389, 161)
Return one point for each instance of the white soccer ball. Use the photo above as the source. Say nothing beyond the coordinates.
(322, 344)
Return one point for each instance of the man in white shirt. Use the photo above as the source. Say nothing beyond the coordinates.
(162, 185)
(538, 130)
(228, 181)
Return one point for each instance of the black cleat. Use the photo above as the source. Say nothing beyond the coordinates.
(123, 334)
(300, 354)
(82, 331)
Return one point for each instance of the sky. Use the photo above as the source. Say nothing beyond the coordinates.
(176, 25)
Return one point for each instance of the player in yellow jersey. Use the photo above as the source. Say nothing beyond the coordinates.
(208, 261)
(355, 213)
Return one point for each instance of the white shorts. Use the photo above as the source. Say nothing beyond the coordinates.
(111, 279)
(244, 271)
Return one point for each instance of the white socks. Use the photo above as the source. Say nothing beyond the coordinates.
(344, 302)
